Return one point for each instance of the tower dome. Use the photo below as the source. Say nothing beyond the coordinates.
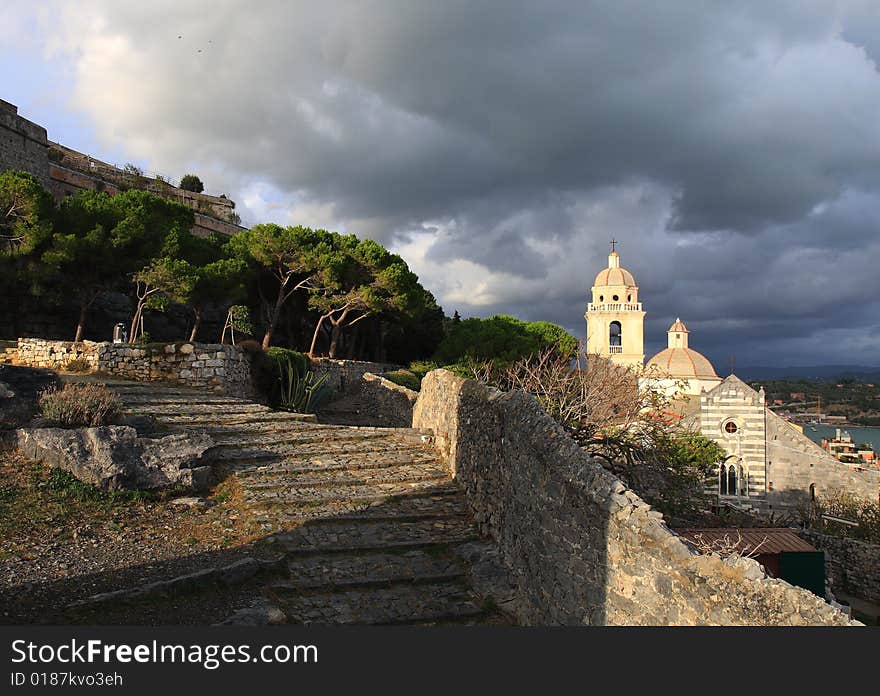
(614, 275)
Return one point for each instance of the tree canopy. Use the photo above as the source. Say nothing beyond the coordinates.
(190, 182)
(502, 339)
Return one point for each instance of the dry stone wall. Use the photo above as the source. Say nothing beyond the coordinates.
(583, 548)
(222, 368)
(851, 566)
(346, 376)
(391, 404)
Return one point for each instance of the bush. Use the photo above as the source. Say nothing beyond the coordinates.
(404, 378)
(422, 367)
(269, 368)
(78, 405)
(77, 365)
(249, 346)
(847, 506)
(190, 182)
(301, 392)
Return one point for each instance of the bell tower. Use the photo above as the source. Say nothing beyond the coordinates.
(615, 320)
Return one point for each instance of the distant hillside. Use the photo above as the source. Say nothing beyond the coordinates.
(814, 372)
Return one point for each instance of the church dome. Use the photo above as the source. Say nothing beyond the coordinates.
(614, 275)
(684, 363)
(680, 361)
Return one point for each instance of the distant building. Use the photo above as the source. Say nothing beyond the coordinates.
(770, 464)
(842, 448)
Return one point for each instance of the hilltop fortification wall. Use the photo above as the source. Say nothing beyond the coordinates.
(583, 548)
(23, 144)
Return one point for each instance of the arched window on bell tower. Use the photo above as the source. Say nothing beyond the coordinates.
(615, 336)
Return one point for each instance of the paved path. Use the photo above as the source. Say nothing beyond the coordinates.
(375, 530)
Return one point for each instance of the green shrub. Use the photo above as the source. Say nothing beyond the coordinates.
(301, 392)
(191, 182)
(79, 405)
(404, 378)
(270, 370)
(422, 367)
(77, 365)
(284, 355)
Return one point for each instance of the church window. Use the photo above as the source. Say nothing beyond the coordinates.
(601, 298)
(730, 427)
(812, 491)
(615, 298)
(629, 298)
(722, 476)
(614, 334)
(731, 480)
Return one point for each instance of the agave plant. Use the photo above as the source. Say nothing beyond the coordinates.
(301, 392)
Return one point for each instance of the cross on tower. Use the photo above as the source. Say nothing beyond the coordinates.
(613, 242)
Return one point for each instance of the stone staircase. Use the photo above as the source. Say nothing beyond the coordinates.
(370, 526)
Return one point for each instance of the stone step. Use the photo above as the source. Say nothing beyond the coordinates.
(145, 400)
(197, 410)
(369, 570)
(345, 496)
(305, 444)
(432, 504)
(431, 471)
(432, 602)
(230, 420)
(321, 461)
(353, 535)
(152, 390)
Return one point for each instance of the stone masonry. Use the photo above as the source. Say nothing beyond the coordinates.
(582, 548)
(366, 525)
(851, 566)
(221, 368)
(23, 144)
(345, 376)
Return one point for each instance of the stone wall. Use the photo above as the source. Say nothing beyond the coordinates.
(55, 355)
(391, 403)
(222, 368)
(23, 144)
(65, 182)
(851, 566)
(346, 376)
(583, 548)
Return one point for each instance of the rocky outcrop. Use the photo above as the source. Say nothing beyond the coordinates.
(114, 458)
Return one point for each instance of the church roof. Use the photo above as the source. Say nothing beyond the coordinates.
(614, 276)
(685, 363)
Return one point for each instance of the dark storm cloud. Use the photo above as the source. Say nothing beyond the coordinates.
(734, 147)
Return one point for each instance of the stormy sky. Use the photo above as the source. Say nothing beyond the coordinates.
(733, 149)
